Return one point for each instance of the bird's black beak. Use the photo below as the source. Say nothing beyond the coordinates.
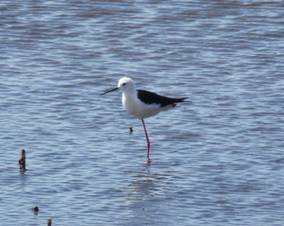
(108, 91)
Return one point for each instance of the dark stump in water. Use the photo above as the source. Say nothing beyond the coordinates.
(22, 160)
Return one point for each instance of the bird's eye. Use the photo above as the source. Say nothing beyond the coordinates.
(123, 84)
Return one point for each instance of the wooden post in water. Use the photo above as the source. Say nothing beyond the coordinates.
(22, 160)
(49, 222)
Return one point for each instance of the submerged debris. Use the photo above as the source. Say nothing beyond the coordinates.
(36, 209)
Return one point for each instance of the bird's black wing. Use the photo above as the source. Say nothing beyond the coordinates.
(152, 98)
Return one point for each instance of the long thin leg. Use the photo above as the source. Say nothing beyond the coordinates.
(148, 141)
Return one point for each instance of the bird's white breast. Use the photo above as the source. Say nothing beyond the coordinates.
(137, 108)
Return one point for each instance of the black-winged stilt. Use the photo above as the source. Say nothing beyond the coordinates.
(143, 104)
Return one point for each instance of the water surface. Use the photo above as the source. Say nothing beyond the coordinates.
(217, 160)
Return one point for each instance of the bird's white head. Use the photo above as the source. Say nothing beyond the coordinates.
(126, 84)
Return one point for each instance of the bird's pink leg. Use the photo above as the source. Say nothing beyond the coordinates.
(148, 141)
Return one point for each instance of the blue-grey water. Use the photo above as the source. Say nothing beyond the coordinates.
(216, 160)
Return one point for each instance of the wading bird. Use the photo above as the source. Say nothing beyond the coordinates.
(143, 104)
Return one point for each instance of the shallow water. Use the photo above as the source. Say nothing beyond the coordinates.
(216, 160)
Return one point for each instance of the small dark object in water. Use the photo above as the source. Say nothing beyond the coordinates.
(22, 160)
(130, 130)
(36, 209)
(49, 222)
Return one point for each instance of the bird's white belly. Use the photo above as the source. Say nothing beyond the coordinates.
(138, 109)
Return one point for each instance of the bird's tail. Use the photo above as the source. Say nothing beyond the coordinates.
(177, 100)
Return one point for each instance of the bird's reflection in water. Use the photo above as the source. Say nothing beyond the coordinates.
(146, 185)
(147, 194)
